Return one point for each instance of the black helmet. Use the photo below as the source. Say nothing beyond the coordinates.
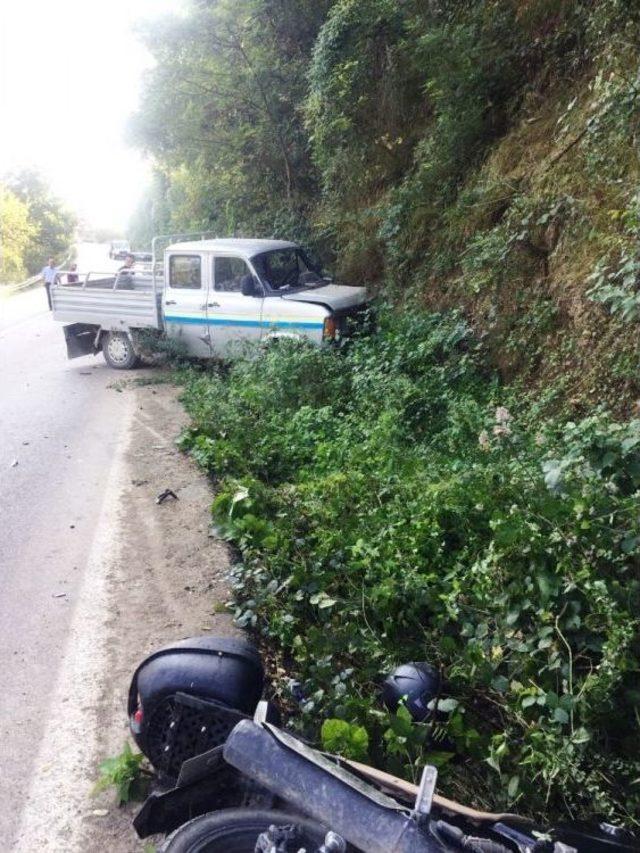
(185, 698)
(417, 683)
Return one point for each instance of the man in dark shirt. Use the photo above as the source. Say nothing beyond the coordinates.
(125, 274)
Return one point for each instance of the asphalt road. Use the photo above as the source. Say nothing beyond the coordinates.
(61, 423)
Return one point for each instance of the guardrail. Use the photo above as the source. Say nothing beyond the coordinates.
(24, 285)
(31, 282)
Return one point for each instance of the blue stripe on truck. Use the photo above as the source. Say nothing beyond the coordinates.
(256, 324)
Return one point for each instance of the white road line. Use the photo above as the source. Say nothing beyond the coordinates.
(160, 438)
(65, 769)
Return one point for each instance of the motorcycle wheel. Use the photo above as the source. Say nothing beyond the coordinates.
(237, 830)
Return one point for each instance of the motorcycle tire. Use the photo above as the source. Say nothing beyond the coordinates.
(237, 830)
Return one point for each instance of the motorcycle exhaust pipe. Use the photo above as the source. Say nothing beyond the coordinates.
(324, 791)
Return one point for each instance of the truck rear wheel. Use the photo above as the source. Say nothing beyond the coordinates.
(118, 351)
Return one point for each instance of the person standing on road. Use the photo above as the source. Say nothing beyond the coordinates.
(49, 274)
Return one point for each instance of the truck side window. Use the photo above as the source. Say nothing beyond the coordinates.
(185, 271)
(228, 273)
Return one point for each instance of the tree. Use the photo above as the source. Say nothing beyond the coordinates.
(53, 224)
(152, 215)
(233, 143)
(16, 233)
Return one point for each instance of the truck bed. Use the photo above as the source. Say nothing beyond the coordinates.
(97, 302)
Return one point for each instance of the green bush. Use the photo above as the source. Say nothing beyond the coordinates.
(392, 502)
(124, 773)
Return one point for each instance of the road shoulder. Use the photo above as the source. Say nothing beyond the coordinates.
(169, 583)
(158, 577)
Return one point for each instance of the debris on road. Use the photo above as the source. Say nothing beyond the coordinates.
(59, 595)
(139, 482)
(14, 463)
(168, 493)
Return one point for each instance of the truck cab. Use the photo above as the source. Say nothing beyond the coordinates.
(220, 294)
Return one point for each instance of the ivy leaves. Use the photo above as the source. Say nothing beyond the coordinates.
(124, 773)
(375, 528)
(346, 739)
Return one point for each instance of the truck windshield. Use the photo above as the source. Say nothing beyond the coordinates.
(283, 269)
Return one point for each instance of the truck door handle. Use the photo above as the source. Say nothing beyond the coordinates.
(170, 302)
(213, 304)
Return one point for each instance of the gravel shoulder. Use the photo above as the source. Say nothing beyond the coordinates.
(158, 577)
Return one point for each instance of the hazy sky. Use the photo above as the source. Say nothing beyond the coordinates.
(70, 75)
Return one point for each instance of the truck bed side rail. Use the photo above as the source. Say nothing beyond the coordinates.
(106, 300)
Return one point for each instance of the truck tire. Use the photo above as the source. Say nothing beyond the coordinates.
(118, 351)
(237, 830)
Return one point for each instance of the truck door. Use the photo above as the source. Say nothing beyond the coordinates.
(232, 317)
(185, 303)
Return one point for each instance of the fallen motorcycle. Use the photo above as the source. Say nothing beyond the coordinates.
(246, 785)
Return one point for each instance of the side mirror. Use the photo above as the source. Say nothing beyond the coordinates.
(249, 285)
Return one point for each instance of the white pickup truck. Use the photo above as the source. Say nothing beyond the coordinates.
(211, 295)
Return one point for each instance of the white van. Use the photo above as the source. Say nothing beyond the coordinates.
(119, 249)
